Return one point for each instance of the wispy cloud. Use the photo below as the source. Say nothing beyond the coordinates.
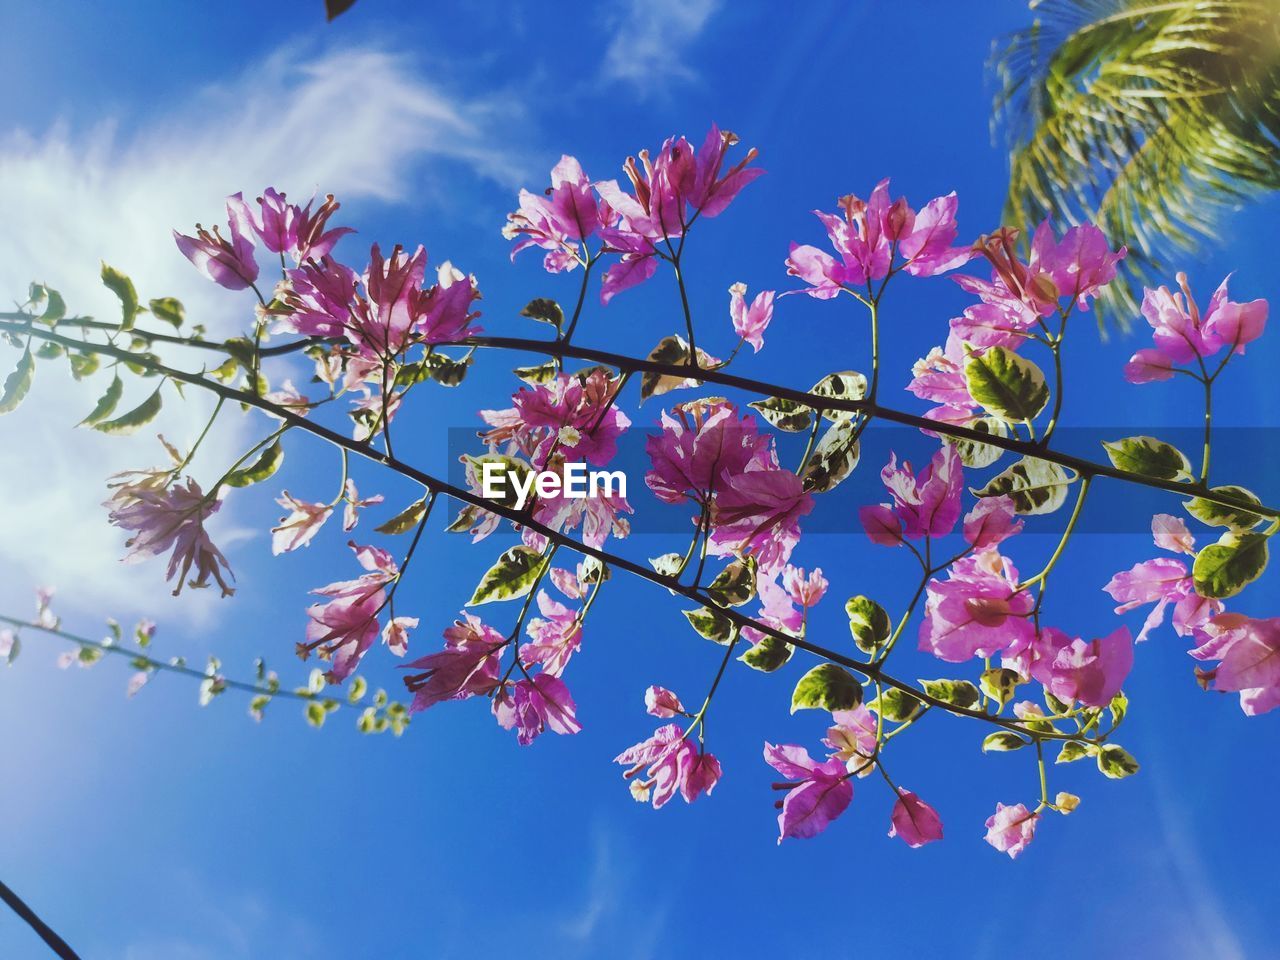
(362, 123)
(651, 40)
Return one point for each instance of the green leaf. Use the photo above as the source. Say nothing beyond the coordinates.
(1119, 706)
(670, 350)
(668, 565)
(828, 686)
(18, 383)
(1007, 385)
(868, 622)
(1148, 457)
(735, 584)
(511, 577)
(406, 519)
(106, 403)
(445, 370)
(122, 287)
(1238, 519)
(847, 385)
(895, 705)
(833, 459)
(513, 468)
(82, 364)
(1072, 751)
(168, 309)
(315, 713)
(1225, 568)
(957, 693)
(135, 419)
(1036, 486)
(544, 310)
(1116, 762)
(768, 655)
(263, 468)
(542, 373)
(1000, 683)
(787, 415)
(1002, 741)
(359, 687)
(976, 454)
(711, 624)
(55, 308)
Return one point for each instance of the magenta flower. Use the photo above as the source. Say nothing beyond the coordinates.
(702, 444)
(1182, 333)
(1002, 318)
(396, 634)
(750, 322)
(805, 590)
(914, 821)
(277, 223)
(992, 520)
(569, 401)
(927, 505)
(346, 626)
(925, 239)
(977, 611)
(558, 221)
(227, 261)
(313, 239)
(535, 705)
(442, 313)
(1149, 366)
(353, 503)
(382, 323)
(671, 763)
(1010, 829)
(1249, 651)
(1164, 581)
(662, 703)
(852, 739)
(1080, 264)
(172, 519)
(759, 513)
(1077, 670)
(881, 524)
(467, 667)
(939, 378)
(302, 523)
(322, 296)
(817, 793)
(557, 635)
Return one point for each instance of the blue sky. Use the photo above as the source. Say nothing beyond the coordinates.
(154, 830)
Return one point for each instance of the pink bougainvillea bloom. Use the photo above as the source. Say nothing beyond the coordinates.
(1002, 318)
(538, 704)
(939, 378)
(582, 404)
(353, 502)
(852, 739)
(346, 626)
(396, 634)
(227, 261)
(914, 821)
(314, 240)
(977, 611)
(1010, 829)
(1081, 671)
(172, 519)
(442, 312)
(805, 590)
(382, 324)
(557, 635)
(927, 244)
(321, 296)
(817, 793)
(1182, 333)
(662, 703)
(1080, 264)
(881, 524)
(928, 505)
(759, 513)
(467, 667)
(1164, 581)
(300, 526)
(750, 321)
(992, 520)
(1249, 651)
(702, 444)
(1149, 366)
(558, 221)
(671, 764)
(703, 775)
(277, 223)
(1171, 533)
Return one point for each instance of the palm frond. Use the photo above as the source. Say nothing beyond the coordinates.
(1148, 118)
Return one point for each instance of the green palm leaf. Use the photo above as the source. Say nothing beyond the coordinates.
(1149, 118)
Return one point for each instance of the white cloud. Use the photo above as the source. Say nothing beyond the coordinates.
(652, 37)
(360, 123)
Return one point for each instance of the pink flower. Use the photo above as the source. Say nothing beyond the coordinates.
(313, 239)
(1075, 670)
(542, 703)
(977, 611)
(557, 635)
(321, 296)
(1149, 366)
(1164, 581)
(928, 505)
(702, 444)
(1182, 333)
(352, 503)
(467, 667)
(914, 821)
(750, 322)
(584, 404)
(172, 519)
(1080, 264)
(804, 590)
(671, 763)
(228, 262)
(1010, 829)
(396, 634)
(881, 524)
(992, 520)
(853, 739)
(382, 323)
(302, 523)
(662, 703)
(1250, 653)
(817, 793)
(345, 627)
(925, 239)
(759, 513)
(558, 221)
(1003, 318)
(939, 377)
(442, 312)
(1171, 533)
